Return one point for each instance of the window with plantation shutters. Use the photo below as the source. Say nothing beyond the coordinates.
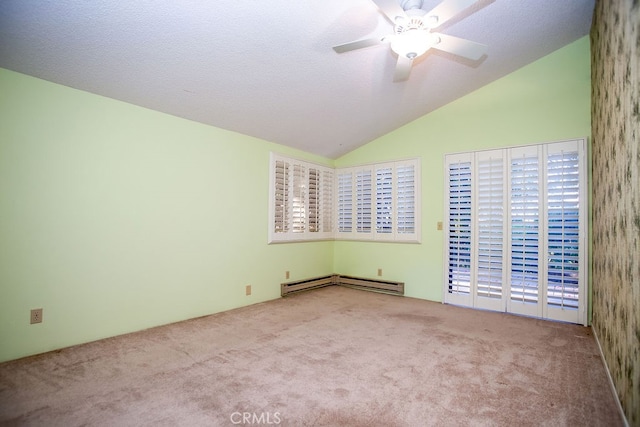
(371, 202)
(379, 202)
(301, 200)
(515, 234)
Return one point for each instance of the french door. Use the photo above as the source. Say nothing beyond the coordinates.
(515, 233)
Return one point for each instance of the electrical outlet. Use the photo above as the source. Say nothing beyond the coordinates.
(379, 272)
(36, 315)
(439, 226)
(286, 274)
(247, 290)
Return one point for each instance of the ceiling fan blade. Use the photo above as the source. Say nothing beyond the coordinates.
(448, 9)
(360, 44)
(391, 9)
(461, 47)
(403, 68)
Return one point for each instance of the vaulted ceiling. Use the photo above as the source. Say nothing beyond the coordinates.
(267, 68)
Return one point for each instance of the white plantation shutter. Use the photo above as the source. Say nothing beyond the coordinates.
(489, 224)
(406, 198)
(525, 211)
(407, 191)
(459, 227)
(281, 197)
(313, 216)
(326, 202)
(345, 202)
(301, 200)
(384, 200)
(364, 200)
(515, 230)
(525, 203)
(563, 225)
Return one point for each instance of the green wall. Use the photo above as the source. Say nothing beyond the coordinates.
(116, 218)
(547, 100)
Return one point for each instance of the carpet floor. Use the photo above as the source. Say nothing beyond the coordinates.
(328, 357)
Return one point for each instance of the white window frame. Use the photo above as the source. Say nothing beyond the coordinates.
(374, 202)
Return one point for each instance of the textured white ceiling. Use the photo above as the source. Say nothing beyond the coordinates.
(267, 68)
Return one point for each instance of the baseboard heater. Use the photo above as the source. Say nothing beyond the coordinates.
(386, 286)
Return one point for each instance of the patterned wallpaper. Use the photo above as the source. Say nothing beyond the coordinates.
(615, 114)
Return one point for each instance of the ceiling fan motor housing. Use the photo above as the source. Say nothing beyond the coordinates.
(411, 4)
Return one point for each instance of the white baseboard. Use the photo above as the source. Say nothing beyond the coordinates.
(611, 384)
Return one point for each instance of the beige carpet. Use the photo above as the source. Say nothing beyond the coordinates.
(327, 357)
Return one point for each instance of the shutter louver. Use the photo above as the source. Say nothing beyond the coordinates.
(384, 200)
(490, 224)
(563, 214)
(363, 201)
(406, 197)
(525, 205)
(459, 247)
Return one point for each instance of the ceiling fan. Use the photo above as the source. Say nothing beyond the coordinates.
(413, 33)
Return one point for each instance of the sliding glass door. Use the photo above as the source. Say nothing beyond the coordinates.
(515, 234)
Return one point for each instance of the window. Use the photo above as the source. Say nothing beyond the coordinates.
(516, 230)
(379, 202)
(301, 202)
(372, 202)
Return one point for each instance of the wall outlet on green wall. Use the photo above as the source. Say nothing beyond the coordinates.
(36, 315)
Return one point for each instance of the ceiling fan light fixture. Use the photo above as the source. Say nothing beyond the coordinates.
(412, 43)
